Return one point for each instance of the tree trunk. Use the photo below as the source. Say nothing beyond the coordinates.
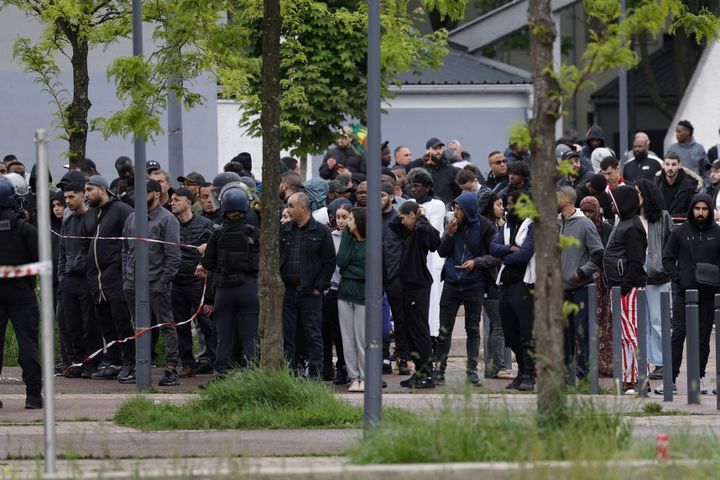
(549, 318)
(271, 287)
(652, 85)
(77, 111)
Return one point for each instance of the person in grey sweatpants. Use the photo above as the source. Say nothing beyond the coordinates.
(164, 262)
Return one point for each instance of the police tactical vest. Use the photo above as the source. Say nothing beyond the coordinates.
(238, 254)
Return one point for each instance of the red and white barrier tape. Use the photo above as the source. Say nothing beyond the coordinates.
(26, 270)
(141, 239)
(141, 332)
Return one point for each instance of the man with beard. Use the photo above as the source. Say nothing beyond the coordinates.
(105, 282)
(403, 156)
(694, 243)
(442, 173)
(163, 264)
(344, 158)
(643, 163)
(579, 176)
(361, 195)
(290, 183)
(676, 186)
(123, 187)
(518, 180)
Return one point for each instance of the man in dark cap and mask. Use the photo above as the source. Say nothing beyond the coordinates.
(623, 267)
(442, 173)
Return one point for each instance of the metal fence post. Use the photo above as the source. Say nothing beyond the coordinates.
(666, 347)
(717, 349)
(692, 346)
(616, 338)
(593, 375)
(642, 324)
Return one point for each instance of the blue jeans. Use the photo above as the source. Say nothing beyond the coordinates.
(304, 309)
(654, 322)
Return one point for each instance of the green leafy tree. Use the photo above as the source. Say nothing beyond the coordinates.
(71, 28)
(554, 88)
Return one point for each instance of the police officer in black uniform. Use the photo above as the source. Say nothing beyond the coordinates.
(18, 303)
(233, 255)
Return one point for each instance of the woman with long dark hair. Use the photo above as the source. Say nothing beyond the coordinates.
(658, 225)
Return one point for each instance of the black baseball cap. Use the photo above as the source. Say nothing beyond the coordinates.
(570, 154)
(434, 142)
(152, 165)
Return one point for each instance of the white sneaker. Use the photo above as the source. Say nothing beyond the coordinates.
(354, 386)
(361, 386)
(703, 386)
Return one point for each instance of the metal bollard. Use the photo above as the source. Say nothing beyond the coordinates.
(666, 347)
(692, 346)
(717, 349)
(642, 324)
(593, 375)
(508, 358)
(616, 339)
(572, 367)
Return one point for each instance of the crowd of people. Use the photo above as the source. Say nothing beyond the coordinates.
(451, 237)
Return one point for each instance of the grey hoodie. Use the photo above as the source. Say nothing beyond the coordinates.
(579, 262)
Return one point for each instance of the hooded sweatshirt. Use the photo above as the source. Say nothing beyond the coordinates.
(625, 254)
(579, 262)
(691, 243)
(470, 242)
(594, 133)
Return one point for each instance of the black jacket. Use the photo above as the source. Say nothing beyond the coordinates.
(496, 184)
(19, 242)
(73, 253)
(318, 263)
(416, 245)
(690, 243)
(392, 248)
(105, 256)
(625, 253)
(443, 176)
(195, 232)
(353, 160)
(678, 195)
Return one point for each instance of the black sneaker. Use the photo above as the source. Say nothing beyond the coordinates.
(328, 374)
(387, 366)
(438, 377)
(87, 370)
(474, 379)
(106, 372)
(656, 374)
(169, 378)
(218, 377)
(403, 368)
(660, 390)
(33, 402)
(340, 376)
(60, 368)
(423, 382)
(527, 384)
(73, 372)
(408, 382)
(203, 368)
(514, 384)
(127, 374)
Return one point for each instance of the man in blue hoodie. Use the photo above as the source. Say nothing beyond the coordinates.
(468, 266)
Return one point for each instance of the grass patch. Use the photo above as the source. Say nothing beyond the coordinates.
(252, 399)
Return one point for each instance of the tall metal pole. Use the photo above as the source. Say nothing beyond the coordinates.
(46, 295)
(175, 130)
(692, 345)
(593, 375)
(142, 284)
(373, 246)
(623, 129)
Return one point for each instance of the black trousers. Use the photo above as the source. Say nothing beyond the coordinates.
(185, 300)
(450, 302)
(115, 323)
(416, 309)
(331, 331)
(81, 329)
(394, 292)
(25, 318)
(303, 311)
(237, 310)
(516, 313)
(677, 339)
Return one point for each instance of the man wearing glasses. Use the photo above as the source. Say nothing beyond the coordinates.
(497, 179)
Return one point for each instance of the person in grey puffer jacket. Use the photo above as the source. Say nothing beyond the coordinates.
(658, 225)
(578, 263)
(163, 265)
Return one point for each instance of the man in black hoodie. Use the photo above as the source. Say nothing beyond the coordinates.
(694, 242)
(442, 173)
(623, 267)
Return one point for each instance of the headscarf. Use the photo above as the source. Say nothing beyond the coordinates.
(591, 204)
